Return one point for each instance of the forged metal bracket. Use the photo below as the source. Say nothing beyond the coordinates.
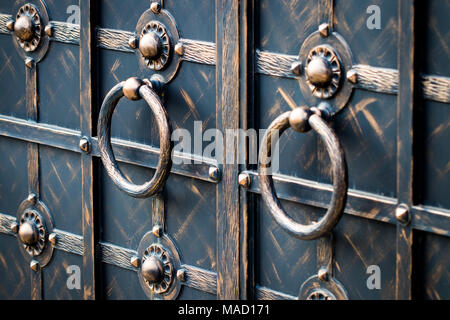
(27, 29)
(327, 65)
(155, 43)
(315, 289)
(163, 254)
(34, 214)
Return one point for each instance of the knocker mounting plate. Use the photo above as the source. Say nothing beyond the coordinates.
(154, 43)
(315, 289)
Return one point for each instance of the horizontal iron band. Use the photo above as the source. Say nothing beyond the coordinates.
(362, 204)
(196, 278)
(188, 165)
(381, 80)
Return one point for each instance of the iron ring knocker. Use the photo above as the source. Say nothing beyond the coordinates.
(135, 89)
(302, 120)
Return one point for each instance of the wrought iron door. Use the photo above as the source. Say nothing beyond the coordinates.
(92, 181)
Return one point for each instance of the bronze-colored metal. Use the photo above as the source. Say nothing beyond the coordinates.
(14, 227)
(181, 275)
(49, 30)
(402, 214)
(298, 120)
(29, 233)
(52, 238)
(152, 270)
(135, 262)
(324, 30)
(157, 231)
(323, 71)
(156, 184)
(297, 68)
(34, 265)
(352, 76)
(133, 42)
(322, 274)
(10, 25)
(339, 170)
(179, 49)
(32, 232)
(31, 198)
(155, 6)
(85, 145)
(27, 27)
(321, 294)
(30, 63)
(131, 88)
(157, 268)
(154, 45)
(244, 180)
(214, 173)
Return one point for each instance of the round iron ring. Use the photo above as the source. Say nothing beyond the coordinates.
(339, 174)
(142, 90)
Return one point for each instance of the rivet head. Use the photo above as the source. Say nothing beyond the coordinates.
(150, 46)
(31, 198)
(157, 231)
(214, 174)
(14, 227)
(133, 42)
(352, 76)
(324, 30)
(28, 233)
(244, 180)
(179, 49)
(29, 62)
(299, 119)
(323, 274)
(152, 269)
(34, 265)
(181, 275)
(52, 238)
(24, 28)
(10, 25)
(85, 145)
(131, 88)
(48, 30)
(319, 72)
(155, 7)
(297, 68)
(402, 214)
(134, 261)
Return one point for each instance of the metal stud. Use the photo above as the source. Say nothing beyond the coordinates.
(352, 76)
(214, 173)
(131, 88)
(179, 49)
(157, 231)
(85, 145)
(155, 7)
(133, 42)
(52, 238)
(134, 260)
(323, 274)
(49, 30)
(181, 275)
(297, 68)
(29, 62)
(31, 198)
(402, 214)
(10, 25)
(324, 30)
(14, 227)
(244, 180)
(34, 265)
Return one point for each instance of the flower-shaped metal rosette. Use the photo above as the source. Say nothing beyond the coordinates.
(30, 38)
(160, 30)
(163, 256)
(32, 219)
